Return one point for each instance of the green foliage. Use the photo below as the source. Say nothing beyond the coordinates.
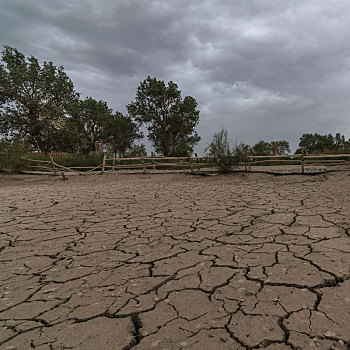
(11, 155)
(38, 103)
(239, 152)
(86, 124)
(261, 148)
(136, 150)
(33, 100)
(281, 147)
(170, 119)
(316, 143)
(220, 152)
(120, 133)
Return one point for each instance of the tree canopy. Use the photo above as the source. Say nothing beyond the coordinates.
(86, 123)
(263, 148)
(120, 133)
(38, 105)
(170, 120)
(316, 143)
(34, 99)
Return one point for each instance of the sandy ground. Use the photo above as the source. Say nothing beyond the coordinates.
(174, 261)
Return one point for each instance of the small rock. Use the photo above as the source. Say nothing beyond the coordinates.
(155, 343)
(49, 290)
(330, 334)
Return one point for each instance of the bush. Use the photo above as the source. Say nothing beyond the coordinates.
(239, 152)
(11, 156)
(220, 152)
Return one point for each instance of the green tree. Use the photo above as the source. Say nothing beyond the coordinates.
(86, 124)
(316, 143)
(281, 147)
(136, 150)
(170, 120)
(262, 148)
(120, 132)
(239, 151)
(33, 99)
(219, 150)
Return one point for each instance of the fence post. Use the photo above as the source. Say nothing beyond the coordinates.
(246, 161)
(302, 161)
(104, 163)
(154, 166)
(53, 166)
(197, 161)
(143, 163)
(190, 161)
(114, 156)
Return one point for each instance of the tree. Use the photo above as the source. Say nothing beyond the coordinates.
(262, 148)
(220, 151)
(33, 99)
(86, 124)
(136, 150)
(239, 151)
(120, 133)
(316, 143)
(281, 147)
(170, 119)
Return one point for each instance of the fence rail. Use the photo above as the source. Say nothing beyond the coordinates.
(112, 164)
(301, 159)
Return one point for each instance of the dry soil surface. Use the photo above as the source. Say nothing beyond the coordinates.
(243, 261)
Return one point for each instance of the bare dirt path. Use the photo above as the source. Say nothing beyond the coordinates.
(175, 262)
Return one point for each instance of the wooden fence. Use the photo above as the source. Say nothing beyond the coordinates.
(248, 162)
(302, 160)
(113, 163)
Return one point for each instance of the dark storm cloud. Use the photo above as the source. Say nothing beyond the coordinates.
(259, 68)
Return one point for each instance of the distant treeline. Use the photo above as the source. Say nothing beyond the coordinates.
(227, 156)
(311, 143)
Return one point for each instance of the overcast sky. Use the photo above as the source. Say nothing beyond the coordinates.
(262, 69)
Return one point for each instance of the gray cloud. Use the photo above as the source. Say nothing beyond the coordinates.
(262, 69)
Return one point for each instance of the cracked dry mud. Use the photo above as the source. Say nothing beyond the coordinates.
(243, 261)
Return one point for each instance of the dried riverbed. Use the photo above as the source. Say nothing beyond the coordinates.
(173, 261)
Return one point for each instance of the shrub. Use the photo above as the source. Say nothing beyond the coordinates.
(239, 152)
(11, 155)
(220, 152)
